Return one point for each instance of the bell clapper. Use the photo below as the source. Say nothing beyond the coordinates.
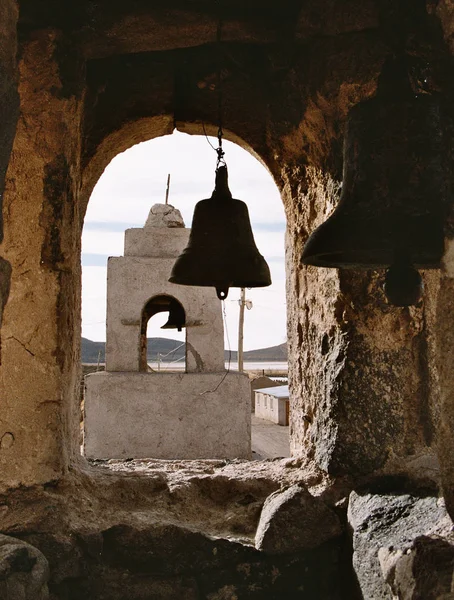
(222, 293)
(403, 284)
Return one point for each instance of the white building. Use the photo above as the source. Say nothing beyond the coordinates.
(272, 403)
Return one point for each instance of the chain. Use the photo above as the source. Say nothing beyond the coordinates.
(220, 152)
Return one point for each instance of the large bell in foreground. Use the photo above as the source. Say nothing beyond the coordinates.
(221, 251)
(391, 206)
(177, 316)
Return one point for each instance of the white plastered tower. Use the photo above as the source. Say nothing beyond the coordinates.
(133, 413)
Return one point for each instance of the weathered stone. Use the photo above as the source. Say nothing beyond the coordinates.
(127, 561)
(5, 278)
(294, 520)
(445, 372)
(424, 571)
(9, 97)
(164, 215)
(357, 366)
(24, 571)
(315, 19)
(393, 522)
(42, 244)
(9, 113)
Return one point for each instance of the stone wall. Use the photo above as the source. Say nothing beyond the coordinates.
(41, 329)
(9, 112)
(359, 368)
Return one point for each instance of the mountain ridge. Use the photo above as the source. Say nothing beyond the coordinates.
(173, 350)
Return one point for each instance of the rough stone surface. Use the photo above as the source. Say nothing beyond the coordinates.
(169, 562)
(5, 278)
(424, 571)
(384, 528)
(444, 340)
(164, 215)
(24, 571)
(39, 369)
(167, 415)
(294, 520)
(358, 368)
(9, 112)
(191, 531)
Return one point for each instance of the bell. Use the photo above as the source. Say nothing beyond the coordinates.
(390, 212)
(221, 251)
(177, 316)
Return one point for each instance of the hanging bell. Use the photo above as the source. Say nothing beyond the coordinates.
(177, 316)
(221, 251)
(390, 213)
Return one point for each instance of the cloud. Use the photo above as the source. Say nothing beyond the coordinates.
(106, 226)
(101, 242)
(94, 260)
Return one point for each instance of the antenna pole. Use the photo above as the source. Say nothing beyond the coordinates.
(168, 188)
(242, 304)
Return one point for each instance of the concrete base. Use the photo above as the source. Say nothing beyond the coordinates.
(167, 415)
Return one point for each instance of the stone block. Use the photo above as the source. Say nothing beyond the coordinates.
(384, 527)
(24, 571)
(424, 571)
(157, 243)
(293, 520)
(167, 415)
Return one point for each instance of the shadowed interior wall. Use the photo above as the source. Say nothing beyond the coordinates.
(9, 112)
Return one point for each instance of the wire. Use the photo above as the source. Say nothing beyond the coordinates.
(215, 389)
(208, 140)
(176, 360)
(224, 314)
(172, 351)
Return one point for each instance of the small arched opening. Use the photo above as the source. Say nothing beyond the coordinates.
(151, 347)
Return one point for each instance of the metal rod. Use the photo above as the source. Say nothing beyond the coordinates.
(240, 330)
(168, 188)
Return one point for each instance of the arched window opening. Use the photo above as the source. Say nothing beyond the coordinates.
(142, 341)
(155, 354)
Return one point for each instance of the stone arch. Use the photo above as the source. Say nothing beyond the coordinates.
(156, 304)
(148, 128)
(71, 146)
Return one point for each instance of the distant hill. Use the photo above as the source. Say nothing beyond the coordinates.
(163, 346)
(173, 350)
(273, 353)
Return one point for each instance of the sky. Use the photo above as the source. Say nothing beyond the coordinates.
(136, 179)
